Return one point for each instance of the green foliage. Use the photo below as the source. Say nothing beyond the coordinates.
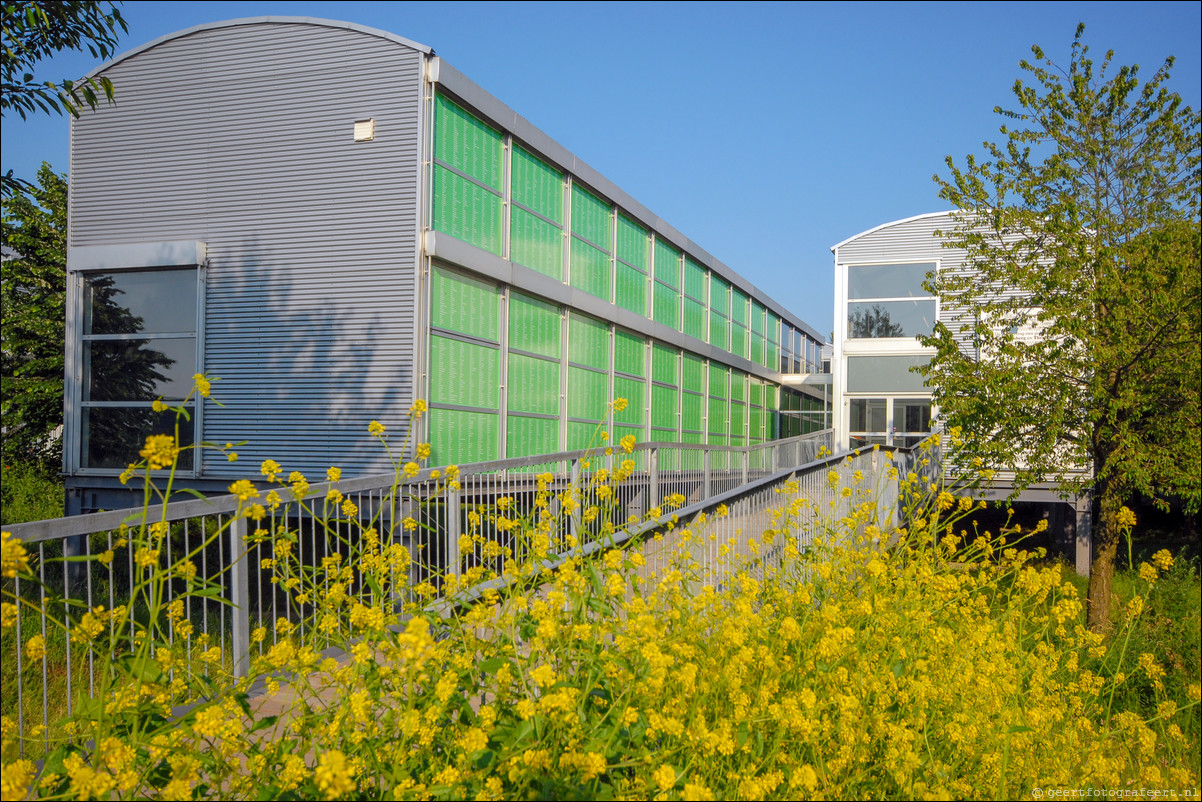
(1082, 229)
(29, 493)
(32, 320)
(33, 31)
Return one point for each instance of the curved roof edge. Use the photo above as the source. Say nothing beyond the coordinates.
(838, 245)
(326, 23)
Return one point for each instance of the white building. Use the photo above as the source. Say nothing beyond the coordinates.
(881, 307)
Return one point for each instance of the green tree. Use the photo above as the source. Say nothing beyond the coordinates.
(32, 319)
(32, 31)
(1073, 355)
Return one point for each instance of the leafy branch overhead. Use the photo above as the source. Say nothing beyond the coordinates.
(33, 31)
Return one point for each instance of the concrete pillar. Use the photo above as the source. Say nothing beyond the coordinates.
(1083, 506)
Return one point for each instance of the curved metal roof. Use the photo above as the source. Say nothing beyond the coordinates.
(326, 23)
(886, 225)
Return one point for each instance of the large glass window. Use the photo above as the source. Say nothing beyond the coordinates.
(886, 301)
(138, 345)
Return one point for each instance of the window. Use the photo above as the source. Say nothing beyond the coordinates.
(139, 344)
(889, 301)
(893, 421)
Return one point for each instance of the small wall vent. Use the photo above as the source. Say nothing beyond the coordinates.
(365, 130)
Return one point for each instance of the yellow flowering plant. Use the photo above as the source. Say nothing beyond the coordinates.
(833, 651)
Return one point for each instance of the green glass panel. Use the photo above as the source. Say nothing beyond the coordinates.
(718, 407)
(590, 217)
(535, 243)
(667, 264)
(467, 143)
(773, 323)
(694, 280)
(696, 438)
(738, 419)
(635, 393)
(718, 378)
(719, 295)
(582, 436)
(534, 325)
(466, 211)
(666, 306)
(533, 385)
(756, 396)
(588, 394)
(465, 305)
(738, 306)
(633, 243)
(590, 269)
(458, 437)
(669, 460)
(664, 364)
(770, 396)
(631, 289)
(537, 185)
(757, 349)
(738, 340)
(719, 331)
(691, 412)
(772, 355)
(588, 342)
(630, 353)
(528, 436)
(694, 319)
(738, 385)
(757, 424)
(663, 406)
(757, 318)
(692, 373)
(451, 360)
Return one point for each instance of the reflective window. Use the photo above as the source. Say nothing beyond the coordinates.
(890, 318)
(139, 344)
(885, 374)
(888, 281)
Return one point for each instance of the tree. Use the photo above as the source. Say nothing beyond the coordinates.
(873, 322)
(1082, 227)
(32, 319)
(33, 31)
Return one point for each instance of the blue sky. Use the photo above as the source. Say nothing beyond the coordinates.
(766, 132)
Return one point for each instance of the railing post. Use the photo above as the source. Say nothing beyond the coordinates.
(746, 465)
(454, 529)
(240, 597)
(707, 474)
(653, 466)
(775, 452)
(575, 494)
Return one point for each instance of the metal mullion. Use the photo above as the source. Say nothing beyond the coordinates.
(503, 398)
(467, 177)
(506, 190)
(522, 207)
(145, 335)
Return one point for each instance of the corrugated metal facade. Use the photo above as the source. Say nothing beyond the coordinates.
(240, 136)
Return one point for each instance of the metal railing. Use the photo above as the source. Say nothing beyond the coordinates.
(211, 533)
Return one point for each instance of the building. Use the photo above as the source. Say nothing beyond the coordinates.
(335, 222)
(880, 309)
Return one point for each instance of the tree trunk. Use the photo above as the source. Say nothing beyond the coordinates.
(1101, 570)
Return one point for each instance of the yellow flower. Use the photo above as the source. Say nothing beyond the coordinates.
(13, 557)
(271, 469)
(665, 777)
(14, 782)
(35, 648)
(411, 470)
(202, 384)
(1125, 517)
(423, 451)
(619, 404)
(244, 490)
(1163, 560)
(419, 406)
(627, 443)
(160, 451)
(375, 428)
(333, 775)
(158, 405)
(333, 474)
(231, 457)
(349, 509)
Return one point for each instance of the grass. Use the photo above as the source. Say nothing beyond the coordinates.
(30, 493)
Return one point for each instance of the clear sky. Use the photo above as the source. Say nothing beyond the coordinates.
(765, 132)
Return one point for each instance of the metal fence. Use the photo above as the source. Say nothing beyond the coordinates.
(668, 486)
